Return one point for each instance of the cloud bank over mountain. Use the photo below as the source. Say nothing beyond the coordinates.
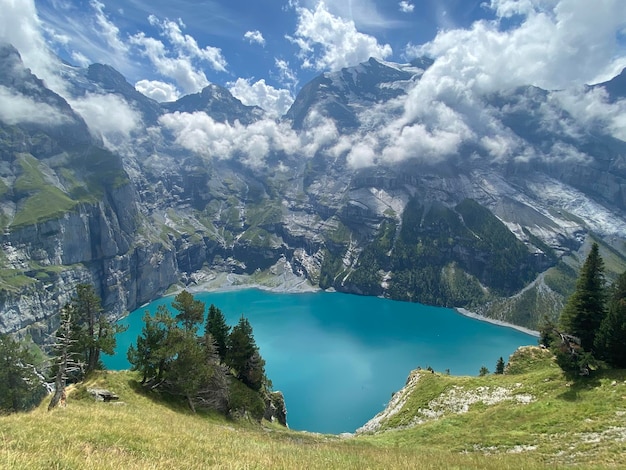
(462, 103)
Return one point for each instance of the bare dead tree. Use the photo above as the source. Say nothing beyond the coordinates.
(66, 360)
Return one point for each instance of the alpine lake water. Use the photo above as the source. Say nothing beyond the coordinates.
(338, 358)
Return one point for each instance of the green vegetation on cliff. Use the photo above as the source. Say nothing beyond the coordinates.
(442, 256)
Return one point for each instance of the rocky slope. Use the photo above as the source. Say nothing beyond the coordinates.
(334, 193)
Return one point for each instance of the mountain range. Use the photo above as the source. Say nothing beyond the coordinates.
(382, 179)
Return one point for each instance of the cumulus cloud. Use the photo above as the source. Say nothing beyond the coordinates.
(592, 109)
(20, 26)
(182, 64)
(548, 44)
(555, 45)
(109, 117)
(274, 101)
(255, 37)
(157, 90)
(250, 144)
(329, 42)
(16, 108)
(406, 7)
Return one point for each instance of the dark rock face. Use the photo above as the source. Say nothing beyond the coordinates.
(275, 409)
(218, 103)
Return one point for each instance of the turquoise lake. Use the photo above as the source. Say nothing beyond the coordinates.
(338, 357)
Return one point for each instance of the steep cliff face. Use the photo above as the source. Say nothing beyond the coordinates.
(206, 187)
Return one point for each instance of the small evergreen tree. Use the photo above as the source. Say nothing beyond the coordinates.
(154, 348)
(483, 371)
(243, 355)
(21, 387)
(92, 332)
(216, 326)
(610, 341)
(500, 366)
(585, 309)
(190, 311)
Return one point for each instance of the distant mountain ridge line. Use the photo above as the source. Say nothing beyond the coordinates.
(219, 187)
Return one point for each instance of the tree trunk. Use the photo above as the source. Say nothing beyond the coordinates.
(59, 385)
(191, 405)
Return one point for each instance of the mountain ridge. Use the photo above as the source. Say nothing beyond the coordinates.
(206, 186)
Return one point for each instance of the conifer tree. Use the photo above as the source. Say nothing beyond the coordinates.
(243, 355)
(217, 327)
(190, 310)
(585, 309)
(610, 341)
(92, 332)
(20, 385)
(500, 366)
(154, 350)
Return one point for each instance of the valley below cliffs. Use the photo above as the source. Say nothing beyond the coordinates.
(205, 192)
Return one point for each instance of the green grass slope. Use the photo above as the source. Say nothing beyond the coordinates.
(542, 421)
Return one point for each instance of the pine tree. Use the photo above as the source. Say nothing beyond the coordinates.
(191, 311)
(20, 385)
(585, 309)
(216, 326)
(154, 350)
(189, 370)
(92, 331)
(483, 371)
(500, 366)
(243, 355)
(610, 342)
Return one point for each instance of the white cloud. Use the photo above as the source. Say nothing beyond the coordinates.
(187, 46)
(251, 144)
(20, 26)
(109, 117)
(557, 44)
(255, 37)
(157, 90)
(592, 110)
(16, 108)
(182, 63)
(329, 42)
(406, 7)
(286, 76)
(274, 101)
(80, 59)
(108, 29)
(365, 14)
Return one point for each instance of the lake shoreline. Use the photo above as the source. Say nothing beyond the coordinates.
(476, 316)
(284, 281)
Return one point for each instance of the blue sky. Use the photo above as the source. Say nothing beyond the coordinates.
(249, 39)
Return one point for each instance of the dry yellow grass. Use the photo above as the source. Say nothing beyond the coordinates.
(143, 433)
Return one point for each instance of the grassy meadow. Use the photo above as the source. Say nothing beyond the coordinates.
(529, 418)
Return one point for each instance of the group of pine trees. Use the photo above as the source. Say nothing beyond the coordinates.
(592, 326)
(174, 358)
(83, 334)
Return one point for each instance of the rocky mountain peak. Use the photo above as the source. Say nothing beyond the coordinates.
(218, 103)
